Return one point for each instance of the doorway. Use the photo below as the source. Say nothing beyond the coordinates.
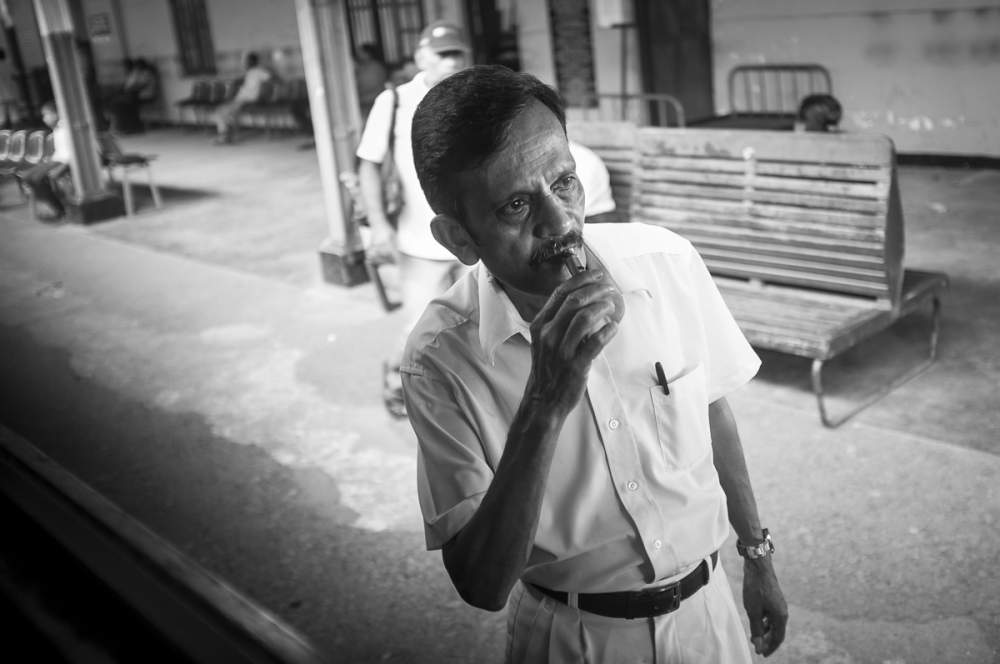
(675, 54)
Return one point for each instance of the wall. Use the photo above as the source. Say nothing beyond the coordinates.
(924, 72)
(535, 46)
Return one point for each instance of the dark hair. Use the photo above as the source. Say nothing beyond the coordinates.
(824, 107)
(252, 60)
(464, 120)
(372, 50)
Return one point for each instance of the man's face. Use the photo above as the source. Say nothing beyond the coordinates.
(439, 66)
(525, 203)
(50, 117)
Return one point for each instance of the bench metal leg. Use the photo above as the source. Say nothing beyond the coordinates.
(817, 375)
(127, 193)
(153, 189)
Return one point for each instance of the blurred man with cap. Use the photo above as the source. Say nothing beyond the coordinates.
(426, 269)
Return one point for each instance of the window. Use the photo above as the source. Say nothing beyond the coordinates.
(194, 37)
(392, 25)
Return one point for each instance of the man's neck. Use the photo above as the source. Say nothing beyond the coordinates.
(527, 304)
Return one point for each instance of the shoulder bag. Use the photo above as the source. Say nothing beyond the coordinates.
(392, 188)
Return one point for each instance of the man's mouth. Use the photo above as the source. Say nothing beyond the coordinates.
(556, 250)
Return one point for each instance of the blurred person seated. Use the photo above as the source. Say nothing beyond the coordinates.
(599, 206)
(141, 86)
(225, 114)
(40, 179)
(819, 112)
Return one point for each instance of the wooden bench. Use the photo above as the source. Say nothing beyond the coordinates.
(803, 233)
(614, 143)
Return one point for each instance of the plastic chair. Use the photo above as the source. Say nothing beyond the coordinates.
(113, 157)
(34, 149)
(200, 94)
(4, 144)
(15, 154)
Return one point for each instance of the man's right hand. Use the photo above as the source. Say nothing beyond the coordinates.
(575, 324)
(383, 244)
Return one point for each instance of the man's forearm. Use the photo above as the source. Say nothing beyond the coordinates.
(487, 557)
(370, 183)
(730, 463)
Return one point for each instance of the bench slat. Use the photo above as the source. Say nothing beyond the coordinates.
(764, 263)
(843, 149)
(795, 199)
(788, 275)
(663, 209)
(819, 171)
(741, 181)
(780, 249)
(709, 230)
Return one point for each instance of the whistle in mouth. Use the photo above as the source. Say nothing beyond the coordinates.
(572, 263)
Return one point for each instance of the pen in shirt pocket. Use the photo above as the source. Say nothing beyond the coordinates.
(661, 378)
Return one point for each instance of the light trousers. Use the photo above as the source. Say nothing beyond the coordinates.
(706, 629)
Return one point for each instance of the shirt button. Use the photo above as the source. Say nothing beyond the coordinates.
(613, 424)
(632, 485)
(657, 544)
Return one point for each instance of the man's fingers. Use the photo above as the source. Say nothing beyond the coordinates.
(775, 635)
(553, 306)
(593, 344)
(585, 323)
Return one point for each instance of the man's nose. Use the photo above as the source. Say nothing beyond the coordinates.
(555, 218)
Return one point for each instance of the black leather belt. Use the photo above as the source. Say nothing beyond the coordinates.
(640, 603)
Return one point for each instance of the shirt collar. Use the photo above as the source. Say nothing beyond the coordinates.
(499, 319)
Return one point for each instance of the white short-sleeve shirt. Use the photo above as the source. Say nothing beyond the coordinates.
(632, 495)
(413, 236)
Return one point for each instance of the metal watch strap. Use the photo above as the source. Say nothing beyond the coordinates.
(762, 549)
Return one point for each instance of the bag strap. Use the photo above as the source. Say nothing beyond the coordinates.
(392, 119)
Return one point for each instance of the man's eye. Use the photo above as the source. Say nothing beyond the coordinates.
(567, 182)
(516, 206)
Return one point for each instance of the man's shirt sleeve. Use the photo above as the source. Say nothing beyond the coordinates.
(729, 360)
(375, 138)
(452, 473)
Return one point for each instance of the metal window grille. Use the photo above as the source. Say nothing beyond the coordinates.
(392, 25)
(194, 37)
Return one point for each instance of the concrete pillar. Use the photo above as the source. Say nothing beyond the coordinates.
(336, 119)
(93, 202)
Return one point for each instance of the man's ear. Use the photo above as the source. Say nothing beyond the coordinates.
(451, 234)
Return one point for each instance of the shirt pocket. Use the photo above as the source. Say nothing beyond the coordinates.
(682, 420)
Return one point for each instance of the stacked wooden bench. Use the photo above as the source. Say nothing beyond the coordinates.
(802, 232)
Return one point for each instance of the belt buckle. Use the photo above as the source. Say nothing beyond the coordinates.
(654, 601)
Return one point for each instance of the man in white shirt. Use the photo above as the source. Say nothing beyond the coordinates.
(40, 179)
(577, 454)
(426, 268)
(249, 92)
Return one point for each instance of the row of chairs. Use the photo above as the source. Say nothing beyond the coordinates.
(22, 149)
(270, 111)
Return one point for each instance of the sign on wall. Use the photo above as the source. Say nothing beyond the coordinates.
(99, 27)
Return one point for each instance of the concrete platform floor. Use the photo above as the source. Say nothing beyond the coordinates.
(189, 363)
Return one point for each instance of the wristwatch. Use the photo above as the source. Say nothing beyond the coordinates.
(755, 551)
